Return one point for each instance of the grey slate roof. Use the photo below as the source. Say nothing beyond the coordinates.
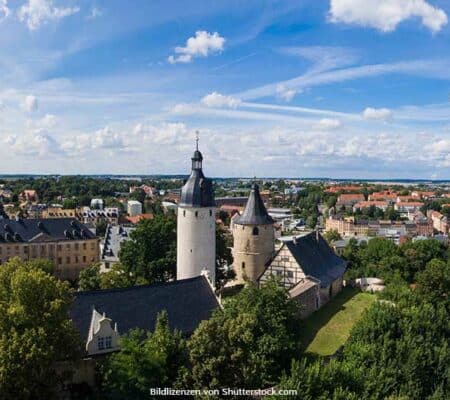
(114, 237)
(255, 212)
(42, 230)
(198, 190)
(316, 258)
(187, 302)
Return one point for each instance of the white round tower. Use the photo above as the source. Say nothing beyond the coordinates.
(196, 225)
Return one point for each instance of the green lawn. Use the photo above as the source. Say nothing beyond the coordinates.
(328, 328)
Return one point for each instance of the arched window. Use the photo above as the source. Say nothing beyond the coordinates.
(196, 213)
(210, 213)
(243, 265)
(184, 213)
(255, 231)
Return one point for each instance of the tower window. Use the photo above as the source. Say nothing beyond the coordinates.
(210, 213)
(243, 265)
(196, 213)
(255, 231)
(184, 213)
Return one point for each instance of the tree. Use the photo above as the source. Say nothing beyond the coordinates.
(151, 251)
(35, 331)
(433, 283)
(90, 278)
(224, 258)
(145, 361)
(332, 236)
(248, 343)
(70, 203)
(138, 195)
(100, 228)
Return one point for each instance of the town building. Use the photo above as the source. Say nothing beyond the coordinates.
(111, 244)
(196, 225)
(238, 201)
(279, 214)
(309, 269)
(381, 204)
(149, 191)
(385, 195)
(28, 196)
(134, 208)
(98, 313)
(343, 189)
(408, 206)
(346, 226)
(253, 239)
(135, 219)
(349, 200)
(97, 204)
(109, 215)
(439, 221)
(102, 316)
(65, 241)
(59, 212)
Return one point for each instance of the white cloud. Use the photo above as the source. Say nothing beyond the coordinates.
(215, 99)
(385, 15)
(4, 10)
(328, 124)
(381, 114)
(30, 103)
(441, 146)
(35, 13)
(37, 143)
(103, 138)
(168, 133)
(285, 93)
(46, 122)
(203, 44)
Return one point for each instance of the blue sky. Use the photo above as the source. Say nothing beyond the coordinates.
(336, 88)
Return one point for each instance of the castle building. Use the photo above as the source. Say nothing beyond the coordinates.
(253, 239)
(196, 226)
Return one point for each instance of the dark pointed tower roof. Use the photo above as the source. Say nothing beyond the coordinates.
(198, 190)
(255, 212)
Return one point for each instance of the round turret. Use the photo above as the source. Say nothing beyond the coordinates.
(253, 239)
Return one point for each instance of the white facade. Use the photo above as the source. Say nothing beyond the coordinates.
(196, 242)
(134, 208)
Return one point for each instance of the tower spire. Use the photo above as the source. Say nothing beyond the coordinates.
(197, 134)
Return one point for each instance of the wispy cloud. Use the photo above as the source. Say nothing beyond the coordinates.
(428, 68)
(38, 12)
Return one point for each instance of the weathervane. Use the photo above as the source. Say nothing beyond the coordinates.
(196, 139)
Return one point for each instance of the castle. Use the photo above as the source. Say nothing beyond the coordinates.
(306, 265)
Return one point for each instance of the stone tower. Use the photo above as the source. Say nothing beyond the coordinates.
(253, 239)
(196, 225)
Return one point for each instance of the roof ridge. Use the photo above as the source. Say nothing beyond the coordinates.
(124, 289)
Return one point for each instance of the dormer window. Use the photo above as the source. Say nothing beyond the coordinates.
(108, 342)
(101, 343)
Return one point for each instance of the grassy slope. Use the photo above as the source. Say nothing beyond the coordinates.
(327, 329)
